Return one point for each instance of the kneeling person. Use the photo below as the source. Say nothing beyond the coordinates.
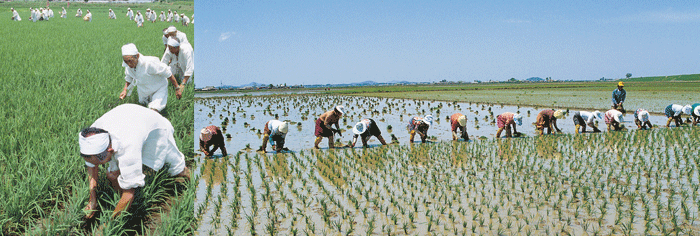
(275, 132)
(211, 136)
(128, 137)
(365, 129)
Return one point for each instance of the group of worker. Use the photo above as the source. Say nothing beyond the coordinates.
(131, 135)
(44, 14)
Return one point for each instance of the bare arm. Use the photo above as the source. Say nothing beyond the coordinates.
(124, 202)
(122, 95)
(92, 203)
(178, 89)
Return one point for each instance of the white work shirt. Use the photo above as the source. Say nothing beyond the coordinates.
(152, 17)
(139, 19)
(677, 109)
(63, 13)
(79, 12)
(184, 60)
(149, 76)
(88, 16)
(162, 16)
(180, 36)
(15, 16)
(170, 16)
(140, 136)
(50, 13)
(185, 20)
(273, 126)
(112, 15)
(177, 17)
(130, 14)
(588, 117)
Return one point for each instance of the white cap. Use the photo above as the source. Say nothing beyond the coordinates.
(428, 120)
(94, 144)
(283, 128)
(173, 42)
(340, 109)
(359, 128)
(129, 50)
(518, 119)
(687, 109)
(170, 29)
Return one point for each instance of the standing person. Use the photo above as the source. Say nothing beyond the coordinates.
(149, 75)
(275, 132)
(139, 19)
(618, 97)
(79, 13)
(128, 137)
(365, 129)
(547, 119)
(185, 20)
(459, 121)
(674, 112)
(15, 15)
(613, 118)
(696, 113)
(419, 125)
(211, 136)
(641, 119)
(180, 58)
(173, 32)
(506, 120)
(583, 118)
(130, 14)
(324, 127)
(112, 15)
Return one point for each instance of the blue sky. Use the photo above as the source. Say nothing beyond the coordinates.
(318, 42)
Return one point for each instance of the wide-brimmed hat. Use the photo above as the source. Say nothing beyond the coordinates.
(283, 128)
(462, 120)
(559, 114)
(359, 128)
(518, 119)
(205, 135)
(618, 117)
(643, 116)
(687, 109)
(428, 120)
(598, 114)
(697, 111)
(340, 109)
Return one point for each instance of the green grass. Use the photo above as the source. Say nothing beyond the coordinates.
(59, 76)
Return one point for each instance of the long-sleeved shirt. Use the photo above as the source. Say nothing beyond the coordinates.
(140, 136)
(611, 114)
(112, 15)
(15, 16)
(185, 20)
(139, 19)
(130, 14)
(184, 59)
(618, 96)
(149, 75)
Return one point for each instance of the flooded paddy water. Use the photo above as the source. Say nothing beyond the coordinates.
(636, 182)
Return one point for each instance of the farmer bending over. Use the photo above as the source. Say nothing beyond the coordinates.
(128, 137)
(150, 76)
(420, 126)
(547, 119)
(505, 121)
(323, 126)
(211, 136)
(459, 121)
(674, 112)
(613, 118)
(696, 113)
(275, 132)
(583, 118)
(641, 119)
(365, 129)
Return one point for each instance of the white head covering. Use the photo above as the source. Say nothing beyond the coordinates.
(643, 116)
(129, 50)
(340, 109)
(618, 117)
(598, 115)
(428, 120)
(171, 29)
(94, 144)
(518, 119)
(687, 109)
(359, 128)
(697, 111)
(283, 128)
(172, 42)
(205, 135)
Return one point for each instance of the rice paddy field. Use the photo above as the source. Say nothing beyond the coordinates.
(630, 182)
(59, 76)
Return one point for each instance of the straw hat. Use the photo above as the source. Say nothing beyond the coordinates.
(518, 119)
(559, 114)
(205, 135)
(283, 128)
(462, 120)
(359, 128)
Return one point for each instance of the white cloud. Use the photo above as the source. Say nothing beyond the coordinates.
(225, 35)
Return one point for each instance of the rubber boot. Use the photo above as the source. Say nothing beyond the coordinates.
(498, 133)
(577, 127)
(668, 122)
(318, 140)
(412, 135)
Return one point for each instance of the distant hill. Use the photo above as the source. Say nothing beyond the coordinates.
(535, 79)
(691, 77)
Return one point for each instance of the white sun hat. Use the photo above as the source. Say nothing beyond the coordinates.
(283, 128)
(618, 117)
(428, 120)
(598, 115)
(697, 111)
(462, 120)
(518, 119)
(687, 109)
(359, 128)
(340, 109)
(643, 116)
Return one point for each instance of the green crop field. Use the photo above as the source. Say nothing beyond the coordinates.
(58, 77)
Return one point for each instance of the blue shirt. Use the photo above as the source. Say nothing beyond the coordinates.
(618, 96)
